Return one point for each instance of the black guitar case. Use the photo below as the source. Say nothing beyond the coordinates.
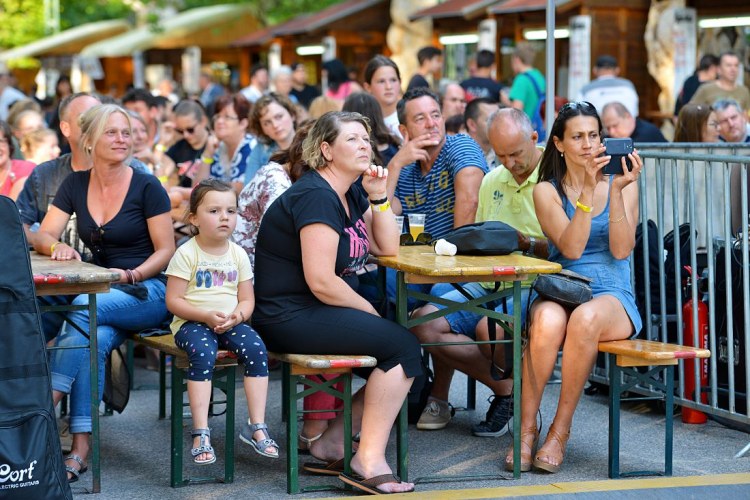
(31, 464)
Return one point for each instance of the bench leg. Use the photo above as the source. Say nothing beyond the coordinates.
(471, 394)
(163, 385)
(614, 418)
(175, 478)
(347, 423)
(292, 468)
(402, 443)
(669, 431)
(231, 373)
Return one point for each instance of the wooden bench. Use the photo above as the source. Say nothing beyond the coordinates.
(624, 357)
(295, 367)
(223, 379)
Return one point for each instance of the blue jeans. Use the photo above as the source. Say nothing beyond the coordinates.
(465, 322)
(51, 322)
(117, 313)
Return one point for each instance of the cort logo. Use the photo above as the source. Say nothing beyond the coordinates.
(15, 475)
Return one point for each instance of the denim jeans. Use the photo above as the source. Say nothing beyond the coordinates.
(117, 314)
(51, 322)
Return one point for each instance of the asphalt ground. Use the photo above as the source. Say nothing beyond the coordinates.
(136, 450)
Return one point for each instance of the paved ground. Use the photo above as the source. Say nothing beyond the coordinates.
(135, 453)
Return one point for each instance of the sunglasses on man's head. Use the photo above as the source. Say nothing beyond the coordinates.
(408, 239)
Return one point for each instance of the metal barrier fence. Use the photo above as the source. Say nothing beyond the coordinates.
(691, 185)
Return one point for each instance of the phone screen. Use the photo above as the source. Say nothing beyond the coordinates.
(617, 149)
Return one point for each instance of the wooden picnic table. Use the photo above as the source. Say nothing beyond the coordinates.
(73, 277)
(419, 264)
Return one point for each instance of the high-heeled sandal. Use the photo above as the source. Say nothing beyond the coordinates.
(562, 439)
(525, 457)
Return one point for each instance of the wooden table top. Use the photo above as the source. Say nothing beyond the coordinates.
(60, 277)
(422, 261)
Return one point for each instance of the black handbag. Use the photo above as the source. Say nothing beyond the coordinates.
(484, 238)
(566, 288)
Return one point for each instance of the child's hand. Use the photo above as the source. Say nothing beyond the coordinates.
(231, 321)
(214, 319)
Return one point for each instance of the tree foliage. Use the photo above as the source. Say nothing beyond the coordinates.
(22, 21)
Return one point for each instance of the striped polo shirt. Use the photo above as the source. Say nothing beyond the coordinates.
(434, 194)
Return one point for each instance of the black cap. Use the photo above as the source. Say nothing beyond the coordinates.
(606, 61)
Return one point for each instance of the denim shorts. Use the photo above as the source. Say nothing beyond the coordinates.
(464, 322)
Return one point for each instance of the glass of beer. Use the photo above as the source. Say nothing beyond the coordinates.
(416, 225)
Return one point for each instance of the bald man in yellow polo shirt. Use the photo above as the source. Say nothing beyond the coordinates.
(505, 195)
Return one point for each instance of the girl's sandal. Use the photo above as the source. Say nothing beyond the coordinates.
(530, 438)
(204, 447)
(562, 440)
(246, 436)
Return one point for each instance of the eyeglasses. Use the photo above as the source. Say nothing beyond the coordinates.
(96, 237)
(422, 239)
(577, 104)
(5, 142)
(189, 130)
(216, 118)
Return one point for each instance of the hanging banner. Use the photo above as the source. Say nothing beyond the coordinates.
(579, 72)
(684, 30)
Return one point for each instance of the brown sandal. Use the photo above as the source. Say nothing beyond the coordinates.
(525, 457)
(562, 440)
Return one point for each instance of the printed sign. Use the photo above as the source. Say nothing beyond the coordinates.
(579, 73)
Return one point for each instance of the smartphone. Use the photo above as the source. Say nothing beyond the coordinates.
(618, 149)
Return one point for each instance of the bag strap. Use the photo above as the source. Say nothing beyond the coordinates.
(492, 333)
(539, 92)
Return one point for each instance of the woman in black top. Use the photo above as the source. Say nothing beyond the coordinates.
(312, 241)
(123, 218)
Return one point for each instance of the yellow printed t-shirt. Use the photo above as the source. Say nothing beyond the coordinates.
(502, 199)
(212, 279)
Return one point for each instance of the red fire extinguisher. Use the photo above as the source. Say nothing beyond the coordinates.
(690, 416)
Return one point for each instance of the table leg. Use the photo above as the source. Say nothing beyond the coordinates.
(401, 319)
(94, 368)
(517, 307)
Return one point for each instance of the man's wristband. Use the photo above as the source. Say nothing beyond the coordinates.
(52, 248)
(532, 244)
(381, 207)
(160, 147)
(207, 161)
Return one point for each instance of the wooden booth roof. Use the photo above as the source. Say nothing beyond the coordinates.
(454, 8)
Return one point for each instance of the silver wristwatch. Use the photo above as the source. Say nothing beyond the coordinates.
(532, 243)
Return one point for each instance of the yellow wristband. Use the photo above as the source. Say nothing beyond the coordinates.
(160, 147)
(381, 207)
(207, 161)
(163, 178)
(52, 248)
(584, 207)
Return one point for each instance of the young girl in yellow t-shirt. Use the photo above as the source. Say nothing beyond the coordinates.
(210, 293)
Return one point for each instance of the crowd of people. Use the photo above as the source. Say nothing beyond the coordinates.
(304, 185)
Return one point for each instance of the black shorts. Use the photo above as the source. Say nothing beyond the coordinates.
(327, 329)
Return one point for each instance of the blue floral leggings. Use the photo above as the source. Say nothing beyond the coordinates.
(201, 344)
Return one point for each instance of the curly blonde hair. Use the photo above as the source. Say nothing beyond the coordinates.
(327, 129)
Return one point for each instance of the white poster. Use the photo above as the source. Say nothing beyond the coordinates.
(579, 67)
(488, 35)
(684, 35)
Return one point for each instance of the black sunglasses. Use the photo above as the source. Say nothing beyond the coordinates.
(407, 239)
(189, 130)
(577, 104)
(97, 245)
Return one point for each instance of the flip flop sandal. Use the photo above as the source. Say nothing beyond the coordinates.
(246, 436)
(205, 435)
(370, 485)
(76, 472)
(325, 469)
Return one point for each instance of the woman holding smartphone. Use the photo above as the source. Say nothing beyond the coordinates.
(589, 219)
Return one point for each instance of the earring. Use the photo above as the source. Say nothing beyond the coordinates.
(89, 149)
(561, 154)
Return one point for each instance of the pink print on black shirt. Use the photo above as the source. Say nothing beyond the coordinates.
(359, 247)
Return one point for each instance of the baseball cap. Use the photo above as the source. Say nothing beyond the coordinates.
(606, 61)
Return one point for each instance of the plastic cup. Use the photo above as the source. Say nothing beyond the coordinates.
(416, 225)
(400, 223)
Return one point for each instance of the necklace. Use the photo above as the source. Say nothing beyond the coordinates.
(576, 191)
